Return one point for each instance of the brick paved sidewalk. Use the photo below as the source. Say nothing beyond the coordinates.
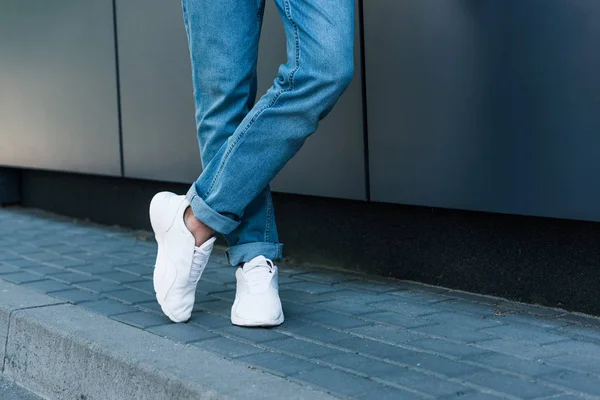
(351, 335)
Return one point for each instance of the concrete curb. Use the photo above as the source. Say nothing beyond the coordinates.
(65, 352)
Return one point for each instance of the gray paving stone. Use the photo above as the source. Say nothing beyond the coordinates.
(45, 270)
(145, 286)
(92, 269)
(137, 269)
(586, 333)
(424, 383)
(43, 256)
(575, 347)
(518, 349)
(208, 287)
(336, 381)
(373, 348)
(227, 347)
(76, 296)
(151, 306)
(218, 306)
(474, 396)
(395, 319)
(119, 277)
(462, 320)
(22, 277)
(442, 346)
(130, 296)
(183, 333)
(71, 277)
(141, 319)
(297, 296)
(310, 287)
(405, 308)
(66, 263)
(314, 332)
(210, 321)
(512, 364)
(510, 385)
(438, 365)
(278, 364)
(301, 348)
(22, 263)
(386, 333)
(98, 286)
(108, 307)
(7, 269)
(47, 286)
(576, 362)
(456, 333)
(526, 334)
(257, 335)
(335, 320)
(368, 286)
(580, 319)
(327, 277)
(293, 310)
(363, 365)
(386, 393)
(352, 307)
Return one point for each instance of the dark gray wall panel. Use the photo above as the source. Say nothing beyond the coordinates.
(485, 104)
(331, 163)
(157, 103)
(58, 98)
(158, 115)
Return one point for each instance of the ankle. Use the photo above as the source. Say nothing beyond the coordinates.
(199, 230)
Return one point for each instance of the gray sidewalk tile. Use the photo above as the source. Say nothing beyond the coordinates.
(314, 332)
(301, 348)
(438, 365)
(298, 296)
(137, 269)
(210, 321)
(526, 334)
(575, 347)
(337, 381)
(295, 310)
(576, 362)
(456, 333)
(108, 307)
(183, 333)
(130, 296)
(257, 335)
(145, 286)
(45, 270)
(7, 269)
(335, 320)
(310, 287)
(47, 286)
(227, 347)
(218, 306)
(387, 334)
(395, 319)
(362, 365)
(76, 296)
(98, 286)
(387, 393)
(515, 365)
(462, 320)
(119, 277)
(71, 277)
(518, 349)
(424, 383)
(441, 346)
(278, 364)
(151, 306)
(22, 277)
(415, 310)
(373, 348)
(142, 319)
(510, 385)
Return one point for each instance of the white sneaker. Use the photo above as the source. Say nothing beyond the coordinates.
(179, 263)
(257, 296)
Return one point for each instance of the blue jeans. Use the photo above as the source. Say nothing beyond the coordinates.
(245, 144)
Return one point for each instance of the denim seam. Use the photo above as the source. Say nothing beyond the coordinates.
(268, 223)
(276, 97)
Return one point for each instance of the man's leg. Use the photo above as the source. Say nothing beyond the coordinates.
(223, 39)
(320, 65)
(320, 47)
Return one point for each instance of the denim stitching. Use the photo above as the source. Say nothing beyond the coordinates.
(276, 97)
(268, 224)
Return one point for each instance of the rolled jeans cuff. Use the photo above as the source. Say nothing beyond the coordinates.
(208, 216)
(242, 253)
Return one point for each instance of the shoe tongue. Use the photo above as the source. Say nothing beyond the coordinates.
(257, 262)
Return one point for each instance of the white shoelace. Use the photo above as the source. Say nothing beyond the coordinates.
(198, 265)
(258, 276)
